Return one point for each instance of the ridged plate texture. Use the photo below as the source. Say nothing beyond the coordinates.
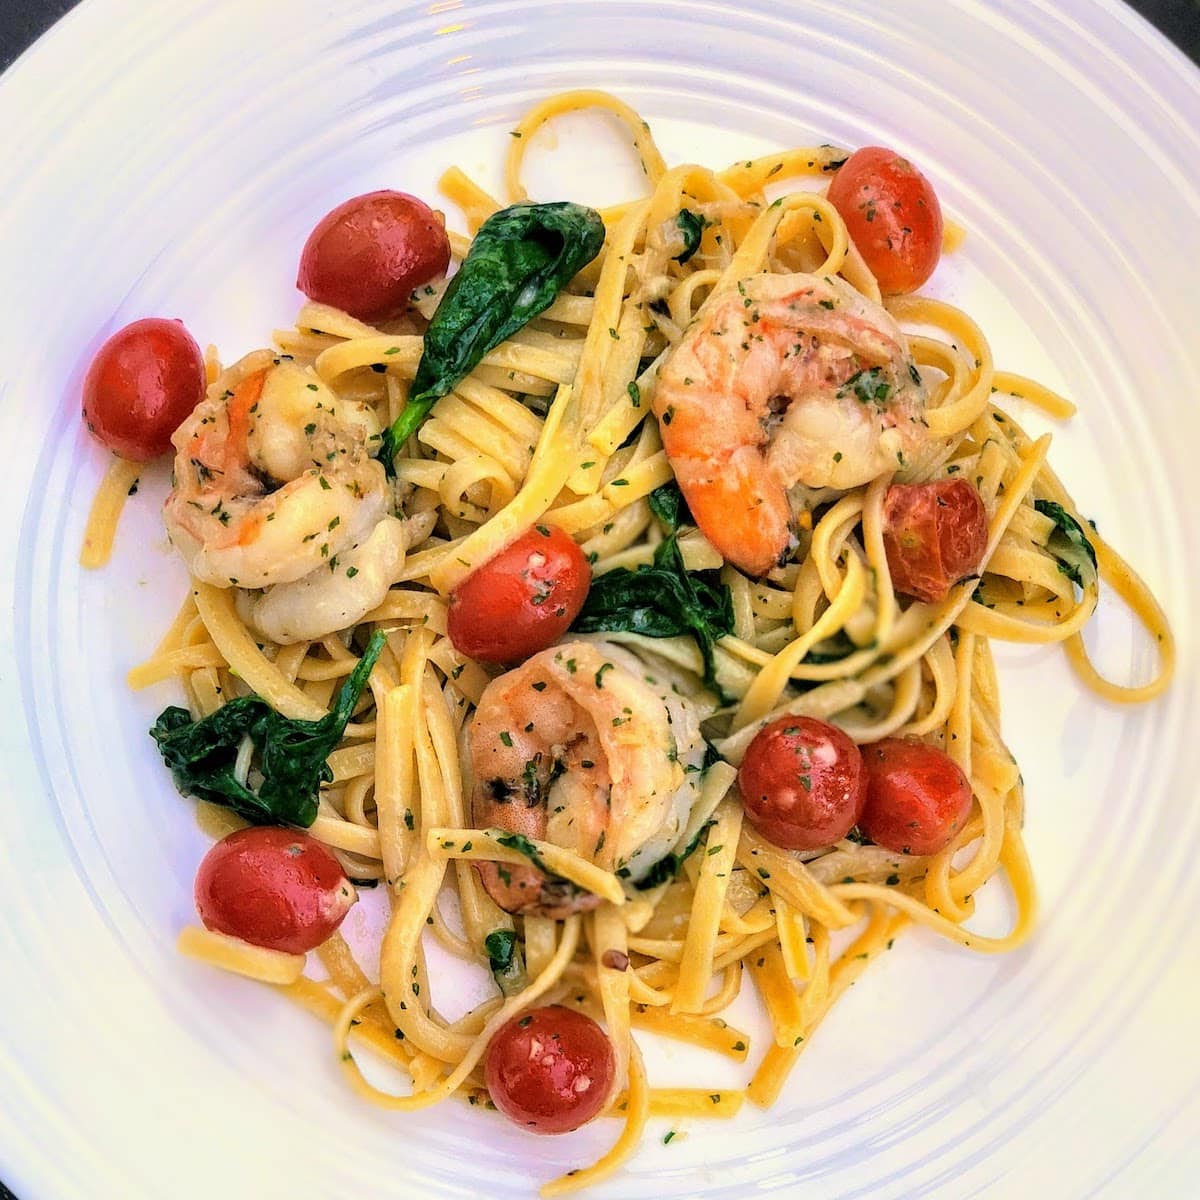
(170, 158)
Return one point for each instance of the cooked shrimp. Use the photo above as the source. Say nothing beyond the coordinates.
(273, 479)
(784, 380)
(582, 747)
(340, 593)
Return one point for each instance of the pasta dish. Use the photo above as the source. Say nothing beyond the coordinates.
(619, 604)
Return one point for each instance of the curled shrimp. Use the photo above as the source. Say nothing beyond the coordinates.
(583, 747)
(339, 594)
(273, 478)
(784, 380)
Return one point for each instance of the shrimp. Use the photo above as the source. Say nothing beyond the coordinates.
(339, 594)
(273, 478)
(784, 380)
(581, 747)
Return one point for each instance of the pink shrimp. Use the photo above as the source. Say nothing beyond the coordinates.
(273, 478)
(784, 380)
(580, 747)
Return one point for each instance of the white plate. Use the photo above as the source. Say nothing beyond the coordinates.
(169, 159)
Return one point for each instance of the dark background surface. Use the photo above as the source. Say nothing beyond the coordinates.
(22, 21)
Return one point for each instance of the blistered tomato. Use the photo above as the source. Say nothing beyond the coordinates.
(371, 253)
(273, 887)
(917, 796)
(522, 600)
(892, 214)
(802, 783)
(550, 1070)
(141, 385)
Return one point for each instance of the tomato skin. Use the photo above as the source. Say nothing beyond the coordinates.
(521, 600)
(803, 783)
(934, 534)
(368, 255)
(142, 384)
(917, 796)
(893, 216)
(550, 1070)
(273, 887)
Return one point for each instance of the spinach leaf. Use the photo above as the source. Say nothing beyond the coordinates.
(291, 753)
(667, 867)
(668, 505)
(692, 226)
(506, 960)
(500, 945)
(662, 600)
(520, 260)
(1069, 544)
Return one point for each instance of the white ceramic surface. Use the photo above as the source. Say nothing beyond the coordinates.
(169, 159)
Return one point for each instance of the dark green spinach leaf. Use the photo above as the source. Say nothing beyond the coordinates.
(662, 600)
(500, 945)
(290, 755)
(506, 960)
(668, 505)
(521, 258)
(692, 226)
(1069, 544)
(667, 867)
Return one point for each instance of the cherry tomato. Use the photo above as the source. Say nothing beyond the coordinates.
(550, 1070)
(917, 797)
(934, 534)
(273, 887)
(369, 254)
(802, 783)
(141, 385)
(892, 214)
(522, 600)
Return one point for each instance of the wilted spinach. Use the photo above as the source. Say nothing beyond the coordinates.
(290, 755)
(520, 260)
(667, 867)
(692, 226)
(668, 505)
(506, 960)
(1069, 544)
(662, 600)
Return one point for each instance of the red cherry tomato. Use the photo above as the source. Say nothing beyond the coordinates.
(141, 385)
(368, 255)
(917, 797)
(550, 1070)
(273, 887)
(522, 600)
(802, 783)
(892, 214)
(934, 534)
